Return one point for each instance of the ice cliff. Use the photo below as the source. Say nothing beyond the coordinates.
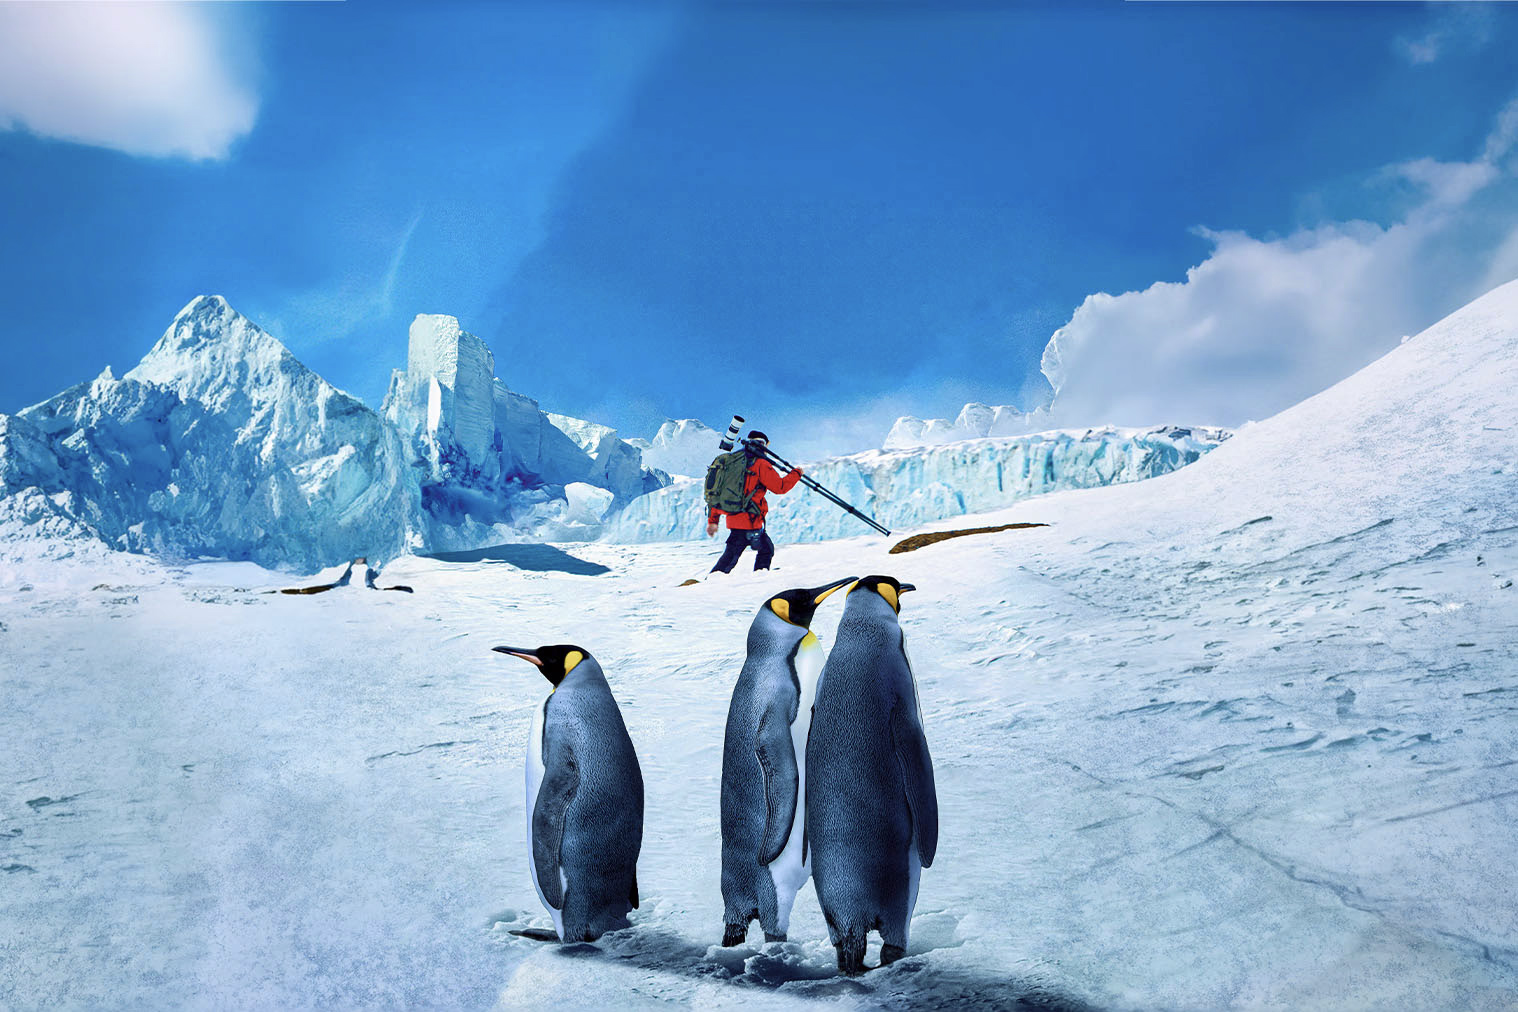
(221, 443)
(908, 487)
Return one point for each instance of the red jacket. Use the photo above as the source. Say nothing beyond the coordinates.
(761, 477)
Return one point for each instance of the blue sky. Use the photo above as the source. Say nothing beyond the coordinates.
(820, 215)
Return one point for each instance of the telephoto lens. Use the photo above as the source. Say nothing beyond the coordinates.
(732, 433)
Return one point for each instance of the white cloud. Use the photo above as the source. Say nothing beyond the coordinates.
(155, 79)
(1455, 27)
(1264, 323)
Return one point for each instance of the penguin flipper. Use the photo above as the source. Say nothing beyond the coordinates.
(560, 782)
(776, 753)
(917, 777)
(632, 896)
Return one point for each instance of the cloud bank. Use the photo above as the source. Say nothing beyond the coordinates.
(1264, 323)
(153, 79)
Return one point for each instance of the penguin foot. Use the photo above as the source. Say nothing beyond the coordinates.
(774, 938)
(734, 934)
(890, 954)
(851, 957)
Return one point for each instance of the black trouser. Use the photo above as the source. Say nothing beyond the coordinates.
(737, 541)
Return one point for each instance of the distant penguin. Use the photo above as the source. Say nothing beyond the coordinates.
(764, 766)
(584, 798)
(871, 809)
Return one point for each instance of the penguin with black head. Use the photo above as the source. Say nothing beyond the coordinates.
(764, 766)
(584, 798)
(871, 808)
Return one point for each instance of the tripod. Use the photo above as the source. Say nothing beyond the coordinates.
(807, 480)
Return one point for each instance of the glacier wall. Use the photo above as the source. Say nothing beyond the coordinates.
(905, 488)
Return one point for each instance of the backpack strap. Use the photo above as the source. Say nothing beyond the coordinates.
(750, 499)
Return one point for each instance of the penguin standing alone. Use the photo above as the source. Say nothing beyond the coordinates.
(584, 798)
(764, 862)
(871, 808)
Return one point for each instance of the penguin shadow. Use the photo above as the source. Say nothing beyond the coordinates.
(911, 983)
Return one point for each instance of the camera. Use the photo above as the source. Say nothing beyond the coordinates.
(732, 434)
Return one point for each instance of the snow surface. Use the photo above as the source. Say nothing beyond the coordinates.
(906, 488)
(1242, 735)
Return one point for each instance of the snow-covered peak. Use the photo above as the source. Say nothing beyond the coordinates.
(977, 417)
(975, 421)
(206, 323)
(682, 447)
(213, 354)
(587, 435)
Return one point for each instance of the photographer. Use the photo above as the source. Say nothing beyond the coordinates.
(746, 526)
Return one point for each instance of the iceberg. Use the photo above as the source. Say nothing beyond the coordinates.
(448, 388)
(220, 443)
(908, 487)
(611, 462)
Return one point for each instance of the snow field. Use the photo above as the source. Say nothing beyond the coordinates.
(1155, 788)
(1238, 736)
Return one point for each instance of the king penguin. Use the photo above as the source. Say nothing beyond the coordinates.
(871, 809)
(764, 861)
(584, 798)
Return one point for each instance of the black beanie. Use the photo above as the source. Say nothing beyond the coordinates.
(756, 434)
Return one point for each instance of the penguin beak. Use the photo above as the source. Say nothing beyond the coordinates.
(821, 594)
(908, 586)
(526, 655)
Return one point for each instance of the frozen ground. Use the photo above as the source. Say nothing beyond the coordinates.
(1240, 736)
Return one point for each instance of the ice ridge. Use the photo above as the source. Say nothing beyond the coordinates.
(908, 487)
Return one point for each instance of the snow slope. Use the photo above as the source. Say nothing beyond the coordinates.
(909, 487)
(1239, 736)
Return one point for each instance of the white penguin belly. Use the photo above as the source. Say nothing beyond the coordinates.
(534, 782)
(914, 879)
(790, 870)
